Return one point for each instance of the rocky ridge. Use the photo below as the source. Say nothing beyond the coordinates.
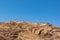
(28, 31)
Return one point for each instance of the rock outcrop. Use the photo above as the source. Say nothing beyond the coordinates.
(28, 31)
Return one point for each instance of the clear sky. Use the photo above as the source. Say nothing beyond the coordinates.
(31, 11)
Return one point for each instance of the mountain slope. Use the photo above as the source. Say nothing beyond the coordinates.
(28, 31)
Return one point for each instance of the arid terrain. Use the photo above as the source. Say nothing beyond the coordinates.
(16, 30)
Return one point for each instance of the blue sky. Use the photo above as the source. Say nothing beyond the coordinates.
(31, 11)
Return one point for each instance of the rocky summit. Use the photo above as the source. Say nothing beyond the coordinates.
(16, 30)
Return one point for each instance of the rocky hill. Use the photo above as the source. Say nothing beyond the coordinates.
(28, 31)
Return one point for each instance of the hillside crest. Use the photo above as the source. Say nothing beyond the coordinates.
(16, 30)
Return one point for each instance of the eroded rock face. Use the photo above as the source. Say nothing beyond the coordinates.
(28, 31)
